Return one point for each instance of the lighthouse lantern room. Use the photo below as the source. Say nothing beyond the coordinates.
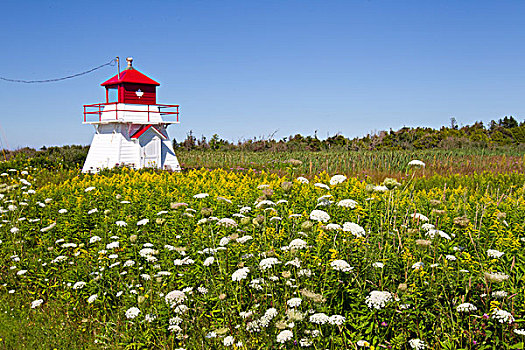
(130, 127)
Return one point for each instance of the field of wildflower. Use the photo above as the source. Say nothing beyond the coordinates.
(216, 259)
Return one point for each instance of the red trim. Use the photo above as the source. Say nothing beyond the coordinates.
(97, 109)
(140, 132)
(130, 76)
(160, 133)
(143, 129)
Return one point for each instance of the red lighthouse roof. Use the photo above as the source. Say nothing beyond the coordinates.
(130, 75)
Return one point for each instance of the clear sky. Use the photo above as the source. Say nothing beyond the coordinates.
(245, 69)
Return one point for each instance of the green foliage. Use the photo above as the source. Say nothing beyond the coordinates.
(503, 133)
(47, 245)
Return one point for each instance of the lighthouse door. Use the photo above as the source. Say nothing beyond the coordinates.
(151, 153)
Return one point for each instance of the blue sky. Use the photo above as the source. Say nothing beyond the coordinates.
(245, 69)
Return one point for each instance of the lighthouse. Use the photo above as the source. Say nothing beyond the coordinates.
(130, 127)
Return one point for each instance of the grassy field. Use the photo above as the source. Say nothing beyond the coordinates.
(428, 258)
(375, 164)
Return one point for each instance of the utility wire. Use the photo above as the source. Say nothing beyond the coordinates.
(110, 63)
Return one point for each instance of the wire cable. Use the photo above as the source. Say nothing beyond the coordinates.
(110, 63)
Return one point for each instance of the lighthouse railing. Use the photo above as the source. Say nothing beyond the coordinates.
(96, 110)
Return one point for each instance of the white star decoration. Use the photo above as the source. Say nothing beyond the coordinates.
(139, 93)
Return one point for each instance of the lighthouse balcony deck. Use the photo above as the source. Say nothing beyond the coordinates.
(104, 113)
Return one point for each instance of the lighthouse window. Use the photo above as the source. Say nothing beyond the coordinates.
(112, 95)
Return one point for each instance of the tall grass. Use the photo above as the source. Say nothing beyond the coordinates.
(375, 164)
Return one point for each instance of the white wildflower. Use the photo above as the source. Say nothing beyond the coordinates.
(496, 277)
(112, 245)
(79, 285)
(380, 188)
(142, 222)
(244, 239)
(227, 222)
(417, 344)
(297, 244)
(502, 316)
(418, 265)
(284, 336)
(295, 262)
(47, 228)
(228, 341)
(224, 241)
(337, 179)
(337, 320)
(36, 303)
(354, 228)
(94, 239)
(427, 227)
(418, 216)
(175, 297)
(347, 203)
(209, 260)
(264, 203)
(499, 294)
(132, 312)
(319, 215)
(416, 163)
(240, 274)
(321, 185)
(466, 307)
(341, 265)
(294, 302)
(245, 210)
(268, 263)
(303, 180)
(319, 318)
(378, 299)
(433, 232)
(493, 253)
(129, 263)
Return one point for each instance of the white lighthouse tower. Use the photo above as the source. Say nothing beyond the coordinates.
(130, 128)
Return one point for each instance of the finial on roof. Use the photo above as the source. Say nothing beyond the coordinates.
(130, 62)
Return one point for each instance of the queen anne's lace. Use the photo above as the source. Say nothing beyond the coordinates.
(319, 215)
(466, 307)
(341, 265)
(354, 228)
(502, 316)
(378, 299)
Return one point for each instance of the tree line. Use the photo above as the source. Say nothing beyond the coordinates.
(503, 132)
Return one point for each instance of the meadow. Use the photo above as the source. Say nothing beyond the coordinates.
(374, 164)
(309, 251)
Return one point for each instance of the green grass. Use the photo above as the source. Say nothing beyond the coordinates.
(375, 164)
(52, 327)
